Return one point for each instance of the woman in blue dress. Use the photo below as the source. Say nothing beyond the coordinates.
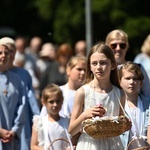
(12, 101)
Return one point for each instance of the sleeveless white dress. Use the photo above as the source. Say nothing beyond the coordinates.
(68, 102)
(50, 131)
(110, 101)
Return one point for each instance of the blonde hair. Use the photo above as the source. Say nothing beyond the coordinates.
(51, 89)
(74, 61)
(117, 34)
(131, 67)
(146, 45)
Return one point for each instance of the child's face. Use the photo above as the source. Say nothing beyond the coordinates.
(130, 83)
(101, 66)
(77, 73)
(53, 105)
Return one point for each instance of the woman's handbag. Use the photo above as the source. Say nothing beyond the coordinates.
(138, 144)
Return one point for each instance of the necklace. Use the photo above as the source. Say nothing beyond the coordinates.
(5, 92)
(4, 82)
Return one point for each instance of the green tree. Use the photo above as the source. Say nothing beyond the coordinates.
(64, 20)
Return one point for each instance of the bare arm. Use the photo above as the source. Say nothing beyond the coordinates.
(34, 140)
(148, 134)
(78, 115)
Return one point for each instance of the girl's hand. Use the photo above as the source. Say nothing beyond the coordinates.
(102, 110)
(94, 111)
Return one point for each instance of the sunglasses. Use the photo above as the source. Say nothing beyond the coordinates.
(121, 45)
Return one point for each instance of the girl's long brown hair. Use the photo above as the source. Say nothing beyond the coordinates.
(102, 48)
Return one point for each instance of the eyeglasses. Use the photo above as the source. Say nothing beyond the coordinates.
(121, 45)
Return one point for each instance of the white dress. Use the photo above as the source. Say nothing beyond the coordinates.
(68, 101)
(110, 101)
(50, 131)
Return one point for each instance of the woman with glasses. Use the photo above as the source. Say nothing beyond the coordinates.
(117, 40)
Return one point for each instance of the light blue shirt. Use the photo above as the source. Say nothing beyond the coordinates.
(31, 107)
(12, 104)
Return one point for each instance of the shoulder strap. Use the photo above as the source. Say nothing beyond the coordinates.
(68, 135)
(119, 101)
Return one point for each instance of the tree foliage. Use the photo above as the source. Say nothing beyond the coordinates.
(64, 20)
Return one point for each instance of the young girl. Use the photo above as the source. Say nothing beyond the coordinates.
(101, 88)
(48, 128)
(75, 71)
(76, 75)
(137, 105)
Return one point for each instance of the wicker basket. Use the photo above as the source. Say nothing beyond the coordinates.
(56, 140)
(138, 144)
(103, 128)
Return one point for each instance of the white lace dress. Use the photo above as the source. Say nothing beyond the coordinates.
(50, 131)
(110, 101)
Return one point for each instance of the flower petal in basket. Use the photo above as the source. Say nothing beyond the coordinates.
(106, 127)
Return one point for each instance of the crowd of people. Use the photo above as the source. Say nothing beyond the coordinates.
(47, 92)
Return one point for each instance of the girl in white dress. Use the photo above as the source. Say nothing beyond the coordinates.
(46, 129)
(75, 71)
(101, 89)
(76, 75)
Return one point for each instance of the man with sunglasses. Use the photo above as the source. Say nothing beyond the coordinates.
(117, 40)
